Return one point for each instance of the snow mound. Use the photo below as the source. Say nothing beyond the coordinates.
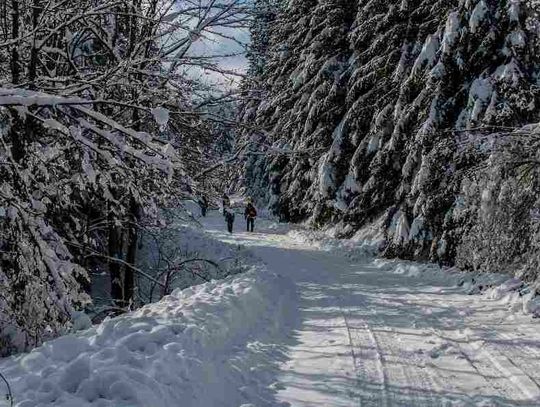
(180, 243)
(353, 249)
(365, 244)
(516, 294)
(188, 349)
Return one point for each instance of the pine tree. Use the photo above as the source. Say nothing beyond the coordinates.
(393, 138)
(306, 75)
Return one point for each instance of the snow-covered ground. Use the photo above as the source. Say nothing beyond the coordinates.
(316, 323)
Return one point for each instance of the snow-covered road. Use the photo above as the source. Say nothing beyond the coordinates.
(321, 323)
(370, 334)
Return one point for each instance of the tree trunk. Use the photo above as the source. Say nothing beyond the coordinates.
(32, 68)
(132, 240)
(115, 269)
(15, 63)
(132, 233)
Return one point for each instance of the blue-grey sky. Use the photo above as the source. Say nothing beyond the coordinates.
(235, 61)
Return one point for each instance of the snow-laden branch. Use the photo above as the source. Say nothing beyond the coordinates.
(161, 158)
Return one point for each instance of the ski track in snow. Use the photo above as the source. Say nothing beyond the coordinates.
(357, 332)
(369, 337)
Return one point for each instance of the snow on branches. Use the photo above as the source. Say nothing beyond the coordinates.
(383, 95)
(99, 125)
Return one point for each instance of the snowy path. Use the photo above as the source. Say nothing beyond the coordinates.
(337, 328)
(368, 336)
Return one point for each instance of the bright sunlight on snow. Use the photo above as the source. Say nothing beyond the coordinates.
(319, 322)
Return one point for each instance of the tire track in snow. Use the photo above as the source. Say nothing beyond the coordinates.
(512, 372)
(351, 344)
(361, 364)
(401, 378)
(498, 371)
(380, 363)
(373, 353)
(503, 358)
(413, 384)
(416, 370)
(526, 363)
(483, 366)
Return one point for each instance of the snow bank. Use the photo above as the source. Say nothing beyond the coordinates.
(190, 349)
(178, 245)
(352, 248)
(516, 294)
(173, 248)
(503, 288)
(165, 247)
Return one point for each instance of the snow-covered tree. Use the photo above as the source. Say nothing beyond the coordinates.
(305, 77)
(392, 137)
(98, 127)
(263, 17)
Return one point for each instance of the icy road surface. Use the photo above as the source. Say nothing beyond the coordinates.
(372, 335)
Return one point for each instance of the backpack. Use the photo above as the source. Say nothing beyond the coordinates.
(252, 212)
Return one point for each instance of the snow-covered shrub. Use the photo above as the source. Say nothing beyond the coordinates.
(177, 255)
(502, 230)
(502, 200)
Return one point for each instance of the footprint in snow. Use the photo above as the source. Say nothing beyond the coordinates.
(277, 386)
(438, 351)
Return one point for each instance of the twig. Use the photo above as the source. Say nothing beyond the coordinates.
(9, 393)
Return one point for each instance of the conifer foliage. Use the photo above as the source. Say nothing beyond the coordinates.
(403, 113)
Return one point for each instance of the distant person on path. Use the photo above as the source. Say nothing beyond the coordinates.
(203, 203)
(229, 218)
(250, 214)
(226, 202)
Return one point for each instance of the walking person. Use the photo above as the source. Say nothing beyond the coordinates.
(203, 203)
(250, 214)
(229, 218)
(226, 202)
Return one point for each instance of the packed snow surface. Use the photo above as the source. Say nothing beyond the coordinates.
(317, 323)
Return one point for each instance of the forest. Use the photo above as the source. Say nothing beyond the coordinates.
(106, 116)
(415, 117)
(384, 152)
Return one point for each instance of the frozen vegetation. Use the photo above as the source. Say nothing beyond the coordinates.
(414, 115)
(390, 149)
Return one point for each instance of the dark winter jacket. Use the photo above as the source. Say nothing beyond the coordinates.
(250, 211)
(229, 216)
(226, 201)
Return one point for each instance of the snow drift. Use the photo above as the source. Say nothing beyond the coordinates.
(184, 350)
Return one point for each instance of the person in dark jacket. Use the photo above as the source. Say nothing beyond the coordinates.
(226, 202)
(203, 203)
(229, 219)
(250, 214)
